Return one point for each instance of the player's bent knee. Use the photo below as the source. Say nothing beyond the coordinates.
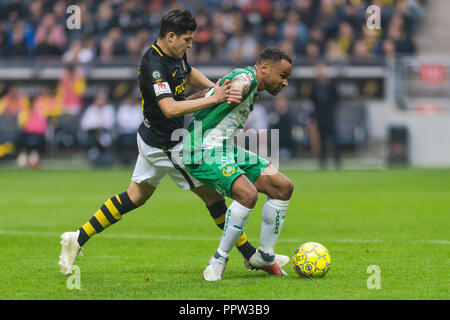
(244, 192)
(284, 190)
(288, 190)
(247, 197)
(139, 193)
(253, 197)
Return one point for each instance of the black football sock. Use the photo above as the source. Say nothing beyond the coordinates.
(109, 213)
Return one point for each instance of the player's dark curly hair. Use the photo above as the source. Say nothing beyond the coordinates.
(273, 54)
(177, 21)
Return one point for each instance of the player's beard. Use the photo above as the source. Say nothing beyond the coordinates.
(275, 91)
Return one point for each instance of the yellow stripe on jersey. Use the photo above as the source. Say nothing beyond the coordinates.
(153, 46)
(113, 210)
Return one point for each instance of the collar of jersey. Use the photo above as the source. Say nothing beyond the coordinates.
(160, 52)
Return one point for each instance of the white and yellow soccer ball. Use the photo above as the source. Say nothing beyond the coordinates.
(311, 260)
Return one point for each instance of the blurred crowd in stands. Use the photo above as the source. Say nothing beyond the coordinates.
(228, 31)
(59, 117)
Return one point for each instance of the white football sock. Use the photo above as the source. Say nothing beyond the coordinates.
(272, 221)
(235, 219)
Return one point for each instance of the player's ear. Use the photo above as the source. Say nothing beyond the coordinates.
(171, 36)
(265, 68)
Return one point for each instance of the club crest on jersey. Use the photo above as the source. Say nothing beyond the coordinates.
(228, 171)
(156, 76)
(161, 88)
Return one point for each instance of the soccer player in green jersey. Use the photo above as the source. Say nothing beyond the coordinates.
(210, 156)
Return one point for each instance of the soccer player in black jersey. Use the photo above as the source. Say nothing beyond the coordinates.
(163, 75)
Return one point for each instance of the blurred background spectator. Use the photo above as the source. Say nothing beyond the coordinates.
(129, 117)
(258, 121)
(97, 123)
(70, 89)
(13, 102)
(11, 105)
(280, 118)
(324, 97)
(50, 37)
(33, 123)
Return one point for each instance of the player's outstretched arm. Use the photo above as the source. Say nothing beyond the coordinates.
(172, 108)
(198, 80)
(197, 95)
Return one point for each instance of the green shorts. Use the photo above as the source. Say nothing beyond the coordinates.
(219, 167)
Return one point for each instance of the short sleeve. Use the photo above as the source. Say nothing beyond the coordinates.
(246, 77)
(155, 79)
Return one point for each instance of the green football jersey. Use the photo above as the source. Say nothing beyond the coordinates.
(218, 125)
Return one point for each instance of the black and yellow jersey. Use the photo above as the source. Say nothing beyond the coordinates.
(160, 76)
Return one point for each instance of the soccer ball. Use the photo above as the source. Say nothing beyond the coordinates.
(311, 260)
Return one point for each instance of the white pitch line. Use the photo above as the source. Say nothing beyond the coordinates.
(187, 238)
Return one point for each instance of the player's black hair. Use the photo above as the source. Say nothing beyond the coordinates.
(177, 21)
(273, 54)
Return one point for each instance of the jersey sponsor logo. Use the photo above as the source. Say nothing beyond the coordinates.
(249, 77)
(181, 87)
(246, 76)
(244, 112)
(228, 171)
(161, 88)
(146, 123)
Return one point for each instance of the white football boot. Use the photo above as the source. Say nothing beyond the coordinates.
(70, 249)
(272, 264)
(281, 260)
(215, 268)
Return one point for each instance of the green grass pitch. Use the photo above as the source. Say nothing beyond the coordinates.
(397, 220)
